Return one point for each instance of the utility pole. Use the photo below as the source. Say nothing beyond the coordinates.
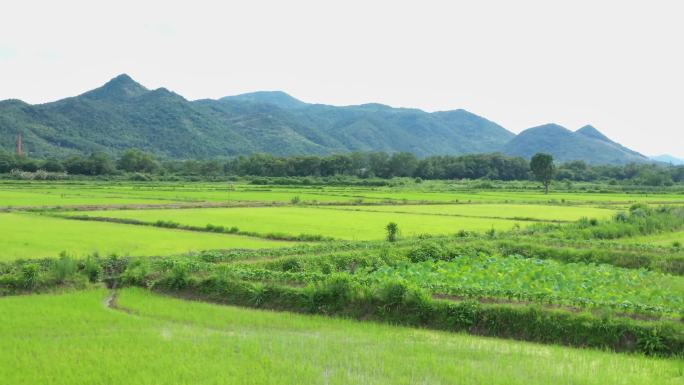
(20, 145)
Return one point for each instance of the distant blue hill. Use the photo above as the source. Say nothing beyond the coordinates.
(668, 159)
(587, 144)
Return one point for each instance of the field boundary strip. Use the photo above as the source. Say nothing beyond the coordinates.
(213, 230)
(522, 219)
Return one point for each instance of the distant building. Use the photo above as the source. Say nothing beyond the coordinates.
(20, 145)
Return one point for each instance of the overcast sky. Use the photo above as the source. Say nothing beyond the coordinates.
(618, 65)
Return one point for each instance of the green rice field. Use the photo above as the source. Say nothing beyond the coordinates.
(341, 224)
(54, 193)
(75, 338)
(145, 283)
(27, 235)
(504, 211)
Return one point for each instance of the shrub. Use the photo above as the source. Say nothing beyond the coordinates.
(291, 264)
(64, 268)
(462, 233)
(167, 224)
(331, 295)
(391, 294)
(392, 232)
(426, 251)
(112, 268)
(30, 276)
(650, 341)
(621, 217)
(178, 277)
(463, 315)
(137, 273)
(402, 302)
(92, 268)
(217, 228)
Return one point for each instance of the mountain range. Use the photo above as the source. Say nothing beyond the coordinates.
(123, 114)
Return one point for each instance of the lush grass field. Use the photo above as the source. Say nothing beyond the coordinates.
(25, 235)
(507, 211)
(36, 193)
(342, 224)
(13, 198)
(487, 196)
(75, 339)
(51, 193)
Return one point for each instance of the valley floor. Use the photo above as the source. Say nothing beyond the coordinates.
(578, 287)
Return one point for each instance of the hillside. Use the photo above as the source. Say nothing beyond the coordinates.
(123, 114)
(586, 144)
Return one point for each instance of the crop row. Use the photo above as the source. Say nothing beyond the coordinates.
(526, 279)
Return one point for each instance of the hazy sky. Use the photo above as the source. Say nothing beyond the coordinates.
(618, 65)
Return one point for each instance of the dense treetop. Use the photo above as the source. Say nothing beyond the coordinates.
(358, 164)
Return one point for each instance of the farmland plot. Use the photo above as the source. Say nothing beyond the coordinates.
(351, 225)
(148, 339)
(35, 236)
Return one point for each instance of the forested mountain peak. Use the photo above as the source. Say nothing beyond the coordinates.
(277, 98)
(124, 114)
(587, 144)
(119, 88)
(592, 132)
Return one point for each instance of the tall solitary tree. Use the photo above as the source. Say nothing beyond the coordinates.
(543, 169)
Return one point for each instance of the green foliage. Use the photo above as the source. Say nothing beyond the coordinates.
(30, 275)
(641, 220)
(463, 316)
(168, 224)
(134, 160)
(92, 268)
(64, 268)
(543, 168)
(543, 281)
(332, 295)
(392, 232)
(178, 277)
(426, 251)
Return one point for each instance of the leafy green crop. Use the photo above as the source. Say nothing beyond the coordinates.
(545, 281)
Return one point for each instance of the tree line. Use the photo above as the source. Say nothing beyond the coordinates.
(358, 164)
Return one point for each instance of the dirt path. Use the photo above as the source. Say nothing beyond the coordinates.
(112, 302)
